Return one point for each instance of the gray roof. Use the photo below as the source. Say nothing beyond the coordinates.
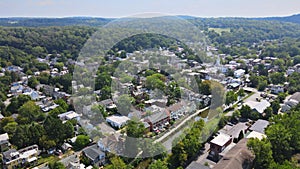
(158, 116)
(8, 154)
(195, 165)
(295, 96)
(93, 152)
(258, 106)
(260, 126)
(239, 157)
(4, 137)
(235, 130)
(106, 102)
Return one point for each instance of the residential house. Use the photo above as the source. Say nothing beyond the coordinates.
(15, 159)
(196, 165)
(277, 89)
(255, 134)
(69, 116)
(66, 147)
(34, 95)
(297, 68)
(108, 104)
(239, 73)
(1, 116)
(234, 130)
(158, 120)
(112, 144)
(290, 71)
(177, 110)
(218, 144)
(11, 159)
(16, 88)
(158, 102)
(4, 142)
(117, 121)
(239, 157)
(61, 95)
(94, 154)
(259, 126)
(293, 101)
(259, 107)
(234, 86)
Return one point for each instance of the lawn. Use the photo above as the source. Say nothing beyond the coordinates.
(45, 158)
(219, 30)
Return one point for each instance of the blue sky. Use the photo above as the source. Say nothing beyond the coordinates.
(122, 8)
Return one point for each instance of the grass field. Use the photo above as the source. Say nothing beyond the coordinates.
(219, 30)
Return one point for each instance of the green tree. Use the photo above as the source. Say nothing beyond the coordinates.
(16, 103)
(135, 129)
(263, 153)
(56, 165)
(59, 66)
(277, 78)
(33, 82)
(241, 92)
(179, 156)
(245, 111)
(124, 104)
(280, 138)
(46, 143)
(268, 113)
(158, 164)
(205, 87)
(81, 141)
(29, 112)
(296, 60)
(21, 136)
(62, 103)
(262, 85)
(275, 105)
(231, 97)
(281, 97)
(155, 81)
(116, 163)
(10, 128)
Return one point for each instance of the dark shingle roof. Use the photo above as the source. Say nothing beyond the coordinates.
(195, 165)
(295, 96)
(158, 116)
(236, 158)
(93, 152)
(259, 126)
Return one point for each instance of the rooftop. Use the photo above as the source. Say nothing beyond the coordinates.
(195, 165)
(118, 119)
(93, 152)
(239, 157)
(295, 96)
(235, 130)
(221, 139)
(258, 106)
(4, 137)
(157, 116)
(255, 134)
(259, 126)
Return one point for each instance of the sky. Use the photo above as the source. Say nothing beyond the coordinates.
(123, 8)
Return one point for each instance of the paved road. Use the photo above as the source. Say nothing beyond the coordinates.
(173, 133)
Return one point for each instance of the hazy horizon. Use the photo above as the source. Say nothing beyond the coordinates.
(118, 9)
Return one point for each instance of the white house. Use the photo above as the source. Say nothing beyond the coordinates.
(293, 101)
(117, 121)
(260, 107)
(276, 89)
(239, 73)
(69, 116)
